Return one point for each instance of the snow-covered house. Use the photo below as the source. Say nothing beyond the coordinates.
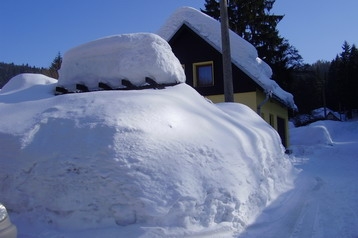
(195, 39)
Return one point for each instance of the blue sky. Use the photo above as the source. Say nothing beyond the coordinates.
(35, 31)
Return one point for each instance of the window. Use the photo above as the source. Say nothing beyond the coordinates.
(203, 74)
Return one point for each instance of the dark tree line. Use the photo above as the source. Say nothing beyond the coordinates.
(10, 70)
(342, 81)
(332, 84)
(308, 86)
(7, 71)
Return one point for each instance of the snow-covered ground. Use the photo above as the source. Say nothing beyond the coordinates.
(143, 162)
(324, 202)
(163, 162)
(156, 163)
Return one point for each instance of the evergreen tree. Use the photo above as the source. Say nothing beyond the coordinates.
(353, 73)
(55, 66)
(308, 86)
(343, 79)
(253, 21)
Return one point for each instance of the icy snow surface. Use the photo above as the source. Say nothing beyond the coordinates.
(133, 163)
(128, 56)
(243, 54)
(324, 203)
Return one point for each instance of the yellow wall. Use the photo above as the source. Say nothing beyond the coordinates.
(277, 110)
(249, 99)
(252, 100)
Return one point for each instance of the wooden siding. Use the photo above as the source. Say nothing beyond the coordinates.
(190, 48)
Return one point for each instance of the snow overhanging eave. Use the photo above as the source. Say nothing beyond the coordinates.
(218, 48)
(285, 103)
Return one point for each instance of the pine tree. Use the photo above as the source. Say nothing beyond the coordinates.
(55, 66)
(353, 77)
(343, 79)
(253, 21)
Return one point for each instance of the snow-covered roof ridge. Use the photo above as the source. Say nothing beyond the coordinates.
(244, 55)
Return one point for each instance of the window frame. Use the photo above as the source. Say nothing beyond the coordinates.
(196, 66)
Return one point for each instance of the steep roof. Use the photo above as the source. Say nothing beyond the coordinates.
(243, 54)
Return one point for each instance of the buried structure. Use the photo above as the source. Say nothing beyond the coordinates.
(130, 61)
(119, 163)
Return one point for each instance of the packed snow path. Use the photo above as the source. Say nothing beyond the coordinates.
(324, 202)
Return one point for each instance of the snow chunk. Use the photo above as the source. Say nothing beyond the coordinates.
(111, 59)
(243, 54)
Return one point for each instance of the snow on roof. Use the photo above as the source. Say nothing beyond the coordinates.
(244, 55)
(128, 56)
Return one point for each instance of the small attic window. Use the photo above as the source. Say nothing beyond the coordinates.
(203, 74)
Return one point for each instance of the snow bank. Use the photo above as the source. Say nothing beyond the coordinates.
(324, 200)
(312, 135)
(123, 160)
(323, 133)
(243, 54)
(111, 59)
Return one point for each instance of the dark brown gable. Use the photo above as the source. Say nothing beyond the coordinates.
(190, 48)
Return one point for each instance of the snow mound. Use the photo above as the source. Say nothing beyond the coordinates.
(27, 87)
(314, 134)
(111, 59)
(243, 54)
(151, 158)
(26, 81)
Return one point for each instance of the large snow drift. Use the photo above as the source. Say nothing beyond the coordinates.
(154, 158)
(132, 159)
(130, 56)
(243, 54)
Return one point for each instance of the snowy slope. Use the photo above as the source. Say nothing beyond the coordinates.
(148, 162)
